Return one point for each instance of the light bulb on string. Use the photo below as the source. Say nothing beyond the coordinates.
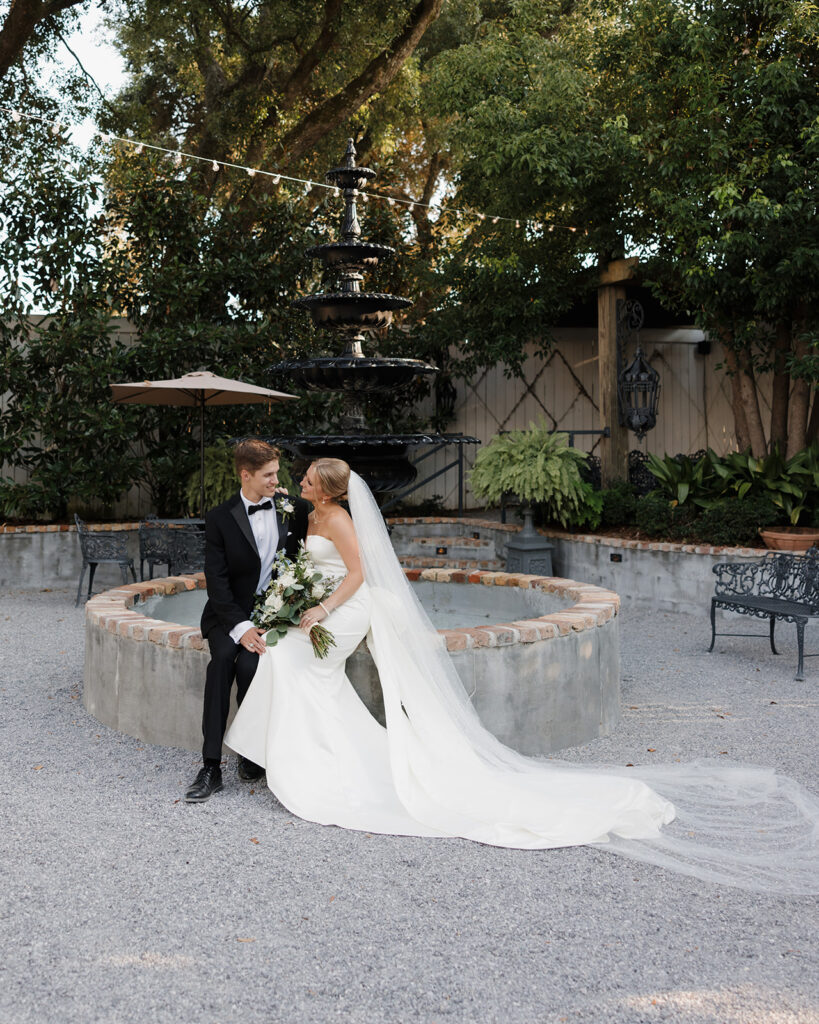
(176, 156)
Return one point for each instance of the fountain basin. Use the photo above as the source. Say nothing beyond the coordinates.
(381, 459)
(351, 255)
(352, 374)
(541, 682)
(356, 310)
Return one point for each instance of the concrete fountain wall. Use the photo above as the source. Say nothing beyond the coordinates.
(539, 683)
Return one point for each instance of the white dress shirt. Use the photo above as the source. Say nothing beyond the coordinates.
(266, 534)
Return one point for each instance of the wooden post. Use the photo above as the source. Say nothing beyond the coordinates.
(614, 449)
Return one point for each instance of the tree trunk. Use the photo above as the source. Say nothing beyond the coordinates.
(19, 24)
(781, 386)
(745, 402)
(378, 74)
(799, 404)
(813, 425)
(740, 421)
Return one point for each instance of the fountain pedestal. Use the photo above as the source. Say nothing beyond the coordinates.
(528, 551)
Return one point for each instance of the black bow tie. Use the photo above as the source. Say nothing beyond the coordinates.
(256, 508)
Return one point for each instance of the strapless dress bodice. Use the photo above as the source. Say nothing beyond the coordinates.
(325, 555)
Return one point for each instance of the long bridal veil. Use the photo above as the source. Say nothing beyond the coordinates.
(732, 824)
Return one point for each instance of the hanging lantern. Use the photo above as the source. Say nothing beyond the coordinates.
(638, 388)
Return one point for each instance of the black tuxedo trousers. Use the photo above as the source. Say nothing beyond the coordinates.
(232, 568)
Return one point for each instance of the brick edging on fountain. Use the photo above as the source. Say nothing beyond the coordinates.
(588, 538)
(113, 610)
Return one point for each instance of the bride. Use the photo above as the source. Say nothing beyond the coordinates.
(435, 771)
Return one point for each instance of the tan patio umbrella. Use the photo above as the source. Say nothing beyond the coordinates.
(200, 389)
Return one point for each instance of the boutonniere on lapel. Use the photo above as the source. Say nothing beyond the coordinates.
(285, 507)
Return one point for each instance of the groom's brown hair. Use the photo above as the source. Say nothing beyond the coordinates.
(253, 454)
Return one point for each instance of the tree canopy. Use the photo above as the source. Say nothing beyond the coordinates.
(682, 131)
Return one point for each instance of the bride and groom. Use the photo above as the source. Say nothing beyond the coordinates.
(435, 770)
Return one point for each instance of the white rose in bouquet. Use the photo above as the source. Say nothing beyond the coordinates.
(318, 590)
(274, 602)
(286, 579)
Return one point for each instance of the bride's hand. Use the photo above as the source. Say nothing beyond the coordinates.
(312, 617)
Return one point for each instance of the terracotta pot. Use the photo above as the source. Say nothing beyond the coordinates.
(790, 538)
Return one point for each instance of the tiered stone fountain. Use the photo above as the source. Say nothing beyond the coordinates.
(347, 312)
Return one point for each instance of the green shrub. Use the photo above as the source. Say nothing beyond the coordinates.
(619, 505)
(736, 522)
(653, 515)
(221, 480)
(683, 522)
(432, 506)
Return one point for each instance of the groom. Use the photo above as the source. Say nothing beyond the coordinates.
(242, 537)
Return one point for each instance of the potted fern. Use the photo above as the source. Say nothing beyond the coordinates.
(538, 466)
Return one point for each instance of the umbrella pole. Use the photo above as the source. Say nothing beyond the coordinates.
(202, 457)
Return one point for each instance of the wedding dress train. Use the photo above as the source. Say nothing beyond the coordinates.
(435, 771)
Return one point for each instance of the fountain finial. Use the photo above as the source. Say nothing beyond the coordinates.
(347, 309)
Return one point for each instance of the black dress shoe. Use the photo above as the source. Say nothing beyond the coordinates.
(206, 783)
(249, 771)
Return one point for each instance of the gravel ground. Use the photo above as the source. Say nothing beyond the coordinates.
(122, 903)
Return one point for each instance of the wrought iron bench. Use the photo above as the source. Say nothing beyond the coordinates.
(98, 548)
(775, 587)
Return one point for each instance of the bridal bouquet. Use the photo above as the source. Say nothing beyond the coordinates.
(295, 587)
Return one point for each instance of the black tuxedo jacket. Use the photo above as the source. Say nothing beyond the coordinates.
(232, 563)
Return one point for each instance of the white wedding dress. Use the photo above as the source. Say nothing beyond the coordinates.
(435, 771)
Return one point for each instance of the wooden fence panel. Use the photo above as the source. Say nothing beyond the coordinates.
(562, 389)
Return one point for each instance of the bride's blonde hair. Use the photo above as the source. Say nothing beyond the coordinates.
(333, 476)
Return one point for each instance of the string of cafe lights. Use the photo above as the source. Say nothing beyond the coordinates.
(307, 184)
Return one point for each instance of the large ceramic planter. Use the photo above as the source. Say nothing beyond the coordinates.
(790, 538)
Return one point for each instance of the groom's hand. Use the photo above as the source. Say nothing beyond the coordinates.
(253, 640)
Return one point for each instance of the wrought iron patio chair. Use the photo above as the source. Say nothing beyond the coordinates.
(98, 548)
(154, 546)
(187, 550)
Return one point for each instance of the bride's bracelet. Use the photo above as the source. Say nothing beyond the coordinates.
(324, 606)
